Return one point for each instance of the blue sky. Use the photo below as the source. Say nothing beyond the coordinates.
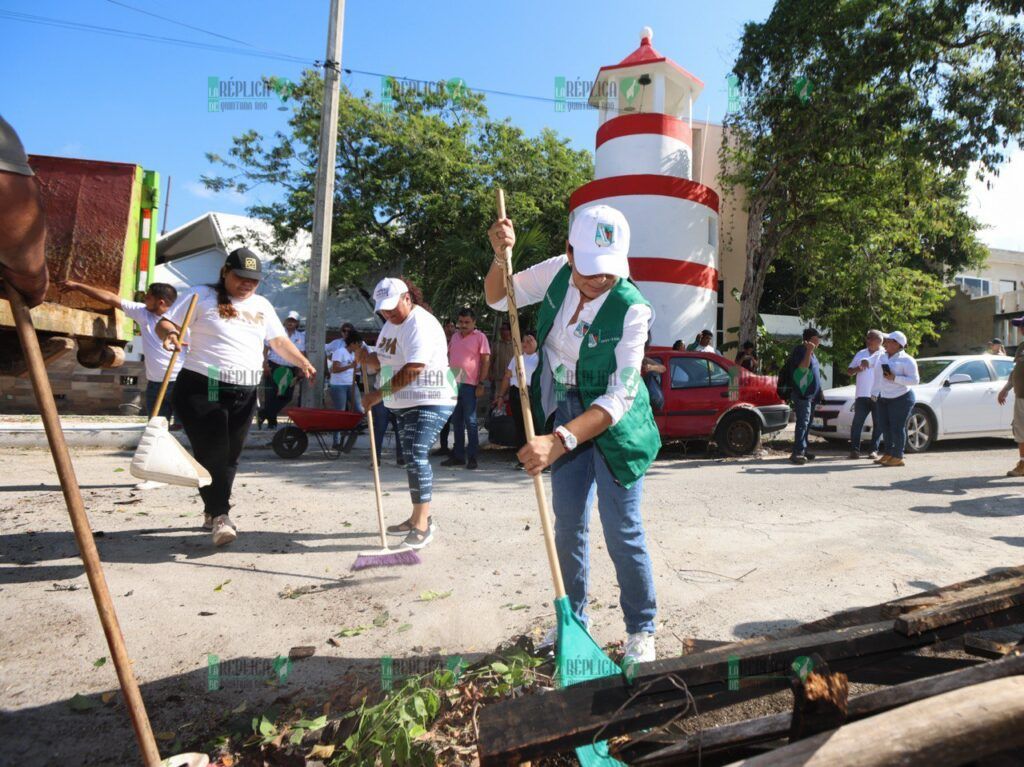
(75, 93)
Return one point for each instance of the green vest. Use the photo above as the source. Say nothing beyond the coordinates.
(629, 447)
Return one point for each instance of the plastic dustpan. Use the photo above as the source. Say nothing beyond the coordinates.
(578, 658)
(161, 457)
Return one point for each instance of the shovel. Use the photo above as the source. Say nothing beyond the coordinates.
(578, 658)
(159, 456)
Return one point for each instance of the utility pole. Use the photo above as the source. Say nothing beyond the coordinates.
(320, 258)
(167, 206)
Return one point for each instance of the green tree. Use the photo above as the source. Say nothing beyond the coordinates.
(858, 188)
(414, 191)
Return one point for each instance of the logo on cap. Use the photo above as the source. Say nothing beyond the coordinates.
(381, 293)
(250, 262)
(605, 234)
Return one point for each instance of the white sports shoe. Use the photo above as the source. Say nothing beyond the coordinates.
(150, 484)
(223, 530)
(639, 648)
(207, 522)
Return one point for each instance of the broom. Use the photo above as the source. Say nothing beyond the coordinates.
(383, 557)
(160, 456)
(578, 658)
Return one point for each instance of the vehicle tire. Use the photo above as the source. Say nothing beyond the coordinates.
(738, 434)
(290, 442)
(920, 430)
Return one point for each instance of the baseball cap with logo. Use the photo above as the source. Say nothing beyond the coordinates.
(599, 236)
(896, 336)
(387, 293)
(244, 263)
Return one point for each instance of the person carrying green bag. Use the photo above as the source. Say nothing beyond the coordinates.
(807, 391)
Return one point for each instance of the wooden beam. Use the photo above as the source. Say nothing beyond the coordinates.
(526, 728)
(949, 729)
(946, 614)
(726, 739)
(995, 644)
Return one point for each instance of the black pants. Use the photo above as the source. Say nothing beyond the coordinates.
(274, 398)
(445, 431)
(517, 415)
(216, 417)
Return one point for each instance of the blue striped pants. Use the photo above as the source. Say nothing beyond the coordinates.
(418, 428)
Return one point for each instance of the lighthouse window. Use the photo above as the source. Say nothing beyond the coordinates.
(712, 232)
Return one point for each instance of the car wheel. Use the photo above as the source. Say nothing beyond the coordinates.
(920, 430)
(290, 442)
(738, 434)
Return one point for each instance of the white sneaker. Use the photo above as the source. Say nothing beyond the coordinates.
(150, 484)
(639, 648)
(207, 522)
(223, 530)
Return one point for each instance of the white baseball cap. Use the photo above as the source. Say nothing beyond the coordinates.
(293, 315)
(387, 293)
(599, 236)
(896, 336)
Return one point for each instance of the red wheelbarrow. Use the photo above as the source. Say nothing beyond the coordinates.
(292, 441)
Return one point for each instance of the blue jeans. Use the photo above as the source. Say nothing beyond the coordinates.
(419, 427)
(803, 409)
(574, 479)
(383, 419)
(340, 396)
(166, 407)
(862, 406)
(894, 413)
(463, 422)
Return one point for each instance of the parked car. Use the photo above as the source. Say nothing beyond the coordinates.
(710, 397)
(956, 399)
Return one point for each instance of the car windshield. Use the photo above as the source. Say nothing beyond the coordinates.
(929, 370)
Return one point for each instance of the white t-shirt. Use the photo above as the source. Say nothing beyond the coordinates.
(529, 362)
(421, 340)
(336, 352)
(298, 338)
(230, 350)
(904, 367)
(866, 378)
(157, 357)
(709, 349)
(562, 346)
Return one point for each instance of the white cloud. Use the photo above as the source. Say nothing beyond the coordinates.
(999, 207)
(198, 189)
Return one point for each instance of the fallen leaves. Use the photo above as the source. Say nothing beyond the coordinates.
(81, 703)
(220, 586)
(289, 593)
(430, 596)
(321, 751)
(404, 627)
(101, 661)
(351, 632)
(381, 619)
(511, 606)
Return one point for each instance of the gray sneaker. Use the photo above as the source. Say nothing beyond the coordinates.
(224, 531)
(404, 528)
(417, 539)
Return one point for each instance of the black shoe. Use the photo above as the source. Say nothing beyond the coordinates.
(260, 419)
(271, 423)
(471, 463)
(810, 456)
(440, 451)
(400, 462)
(453, 461)
(799, 460)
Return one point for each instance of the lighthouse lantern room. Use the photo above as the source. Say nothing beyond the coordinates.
(644, 168)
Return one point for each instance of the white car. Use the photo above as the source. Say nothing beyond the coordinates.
(956, 399)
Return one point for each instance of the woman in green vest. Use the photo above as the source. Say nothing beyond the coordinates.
(587, 394)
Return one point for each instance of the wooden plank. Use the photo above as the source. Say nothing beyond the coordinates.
(995, 644)
(724, 740)
(929, 618)
(949, 729)
(515, 730)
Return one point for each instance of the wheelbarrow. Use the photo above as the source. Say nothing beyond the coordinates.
(291, 441)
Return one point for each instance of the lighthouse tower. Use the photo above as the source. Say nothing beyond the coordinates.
(644, 169)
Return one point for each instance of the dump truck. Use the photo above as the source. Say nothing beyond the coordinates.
(101, 230)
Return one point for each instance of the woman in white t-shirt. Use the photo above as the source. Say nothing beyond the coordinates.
(508, 391)
(215, 394)
(417, 386)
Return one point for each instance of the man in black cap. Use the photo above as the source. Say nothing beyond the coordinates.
(807, 391)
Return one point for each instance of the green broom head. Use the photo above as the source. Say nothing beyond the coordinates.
(578, 658)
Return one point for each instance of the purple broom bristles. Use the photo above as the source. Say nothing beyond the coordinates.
(386, 558)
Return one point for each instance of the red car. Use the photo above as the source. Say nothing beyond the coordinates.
(710, 397)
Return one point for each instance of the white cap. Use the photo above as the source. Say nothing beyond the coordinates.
(387, 293)
(293, 315)
(599, 236)
(896, 336)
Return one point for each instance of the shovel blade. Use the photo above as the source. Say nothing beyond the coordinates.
(161, 457)
(578, 658)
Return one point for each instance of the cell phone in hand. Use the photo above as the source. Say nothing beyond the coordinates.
(886, 369)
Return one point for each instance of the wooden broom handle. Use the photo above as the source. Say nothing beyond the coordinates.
(80, 524)
(524, 399)
(373, 462)
(174, 357)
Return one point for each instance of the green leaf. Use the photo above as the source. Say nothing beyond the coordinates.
(420, 707)
(430, 596)
(102, 661)
(499, 668)
(81, 703)
(267, 728)
(313, 724)
(404, 627)
(351, 632)
(381, 619)
(220, 586)
(511, 606)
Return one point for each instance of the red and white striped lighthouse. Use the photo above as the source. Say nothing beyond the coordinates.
(644, 169)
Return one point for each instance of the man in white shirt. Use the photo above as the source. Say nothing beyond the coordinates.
(279, 376)
(159, 298)
(703, 343)
(864, 367)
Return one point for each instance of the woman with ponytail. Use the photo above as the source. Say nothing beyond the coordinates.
(215, 394)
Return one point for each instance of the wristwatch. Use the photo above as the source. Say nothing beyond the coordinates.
(567, 437)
